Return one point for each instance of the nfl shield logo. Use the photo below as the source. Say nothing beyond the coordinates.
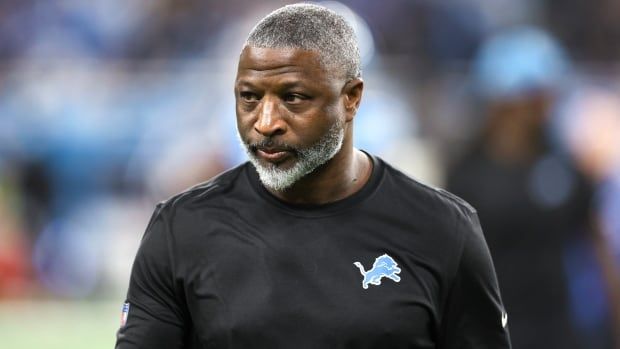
(124, 314)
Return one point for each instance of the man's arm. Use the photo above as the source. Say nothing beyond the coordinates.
(474, 316)
(155, 319)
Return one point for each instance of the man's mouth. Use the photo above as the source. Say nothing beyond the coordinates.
(273, 155)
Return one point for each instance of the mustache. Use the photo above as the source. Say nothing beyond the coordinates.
(270, 143)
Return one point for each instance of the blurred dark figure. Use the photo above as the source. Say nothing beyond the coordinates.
(588, 124)
(531, 201)
(35, 187)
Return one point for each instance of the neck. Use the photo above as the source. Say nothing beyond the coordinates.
(340, 177)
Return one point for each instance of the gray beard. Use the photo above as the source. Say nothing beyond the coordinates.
(308, 160)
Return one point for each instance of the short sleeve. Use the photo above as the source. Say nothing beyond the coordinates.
(154, 315)
(474, 317)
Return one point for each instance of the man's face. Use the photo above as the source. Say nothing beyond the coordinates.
(290, 113)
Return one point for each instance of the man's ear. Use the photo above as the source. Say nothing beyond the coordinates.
(352, 91)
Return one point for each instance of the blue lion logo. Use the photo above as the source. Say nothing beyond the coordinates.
(384, 266)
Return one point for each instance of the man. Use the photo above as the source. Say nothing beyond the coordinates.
(313, 244)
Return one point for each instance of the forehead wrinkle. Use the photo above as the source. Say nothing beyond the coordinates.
(284, 80)
(297, 72)
(261, 67)
(286, 74)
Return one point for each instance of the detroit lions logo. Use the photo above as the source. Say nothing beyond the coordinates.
(384, 266)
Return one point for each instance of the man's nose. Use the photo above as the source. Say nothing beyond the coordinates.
(269, 121)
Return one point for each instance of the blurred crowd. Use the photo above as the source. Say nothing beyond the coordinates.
(110, 106)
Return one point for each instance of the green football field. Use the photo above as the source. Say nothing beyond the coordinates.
(58, 325)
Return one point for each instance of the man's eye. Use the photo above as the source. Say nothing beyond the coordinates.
(294, 98)
(248, 96)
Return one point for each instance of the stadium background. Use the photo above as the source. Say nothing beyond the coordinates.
(109, 106)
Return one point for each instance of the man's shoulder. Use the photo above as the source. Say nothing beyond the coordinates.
(210, 190)
(431, 196)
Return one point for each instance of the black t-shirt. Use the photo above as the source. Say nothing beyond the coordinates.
(395, 265)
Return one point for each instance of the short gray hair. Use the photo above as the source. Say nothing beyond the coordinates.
(310, 27)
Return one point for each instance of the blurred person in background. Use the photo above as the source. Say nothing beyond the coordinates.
(587, 123)
(264, 255)
(531, 198)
